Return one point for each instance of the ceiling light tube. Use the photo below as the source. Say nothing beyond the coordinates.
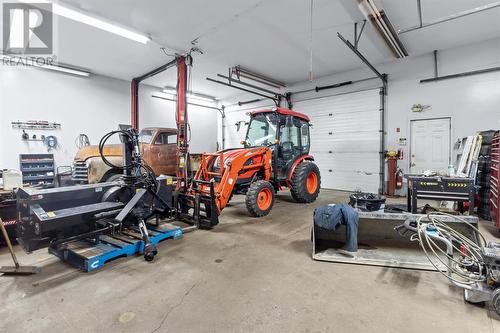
(385, 30)
(66, 69)
(169, 90)
(201, 97)
(173, 92)
(79, 16)
(383, 26)
(59, 68)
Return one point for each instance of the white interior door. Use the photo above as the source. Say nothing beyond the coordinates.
(345, 139)
(430, 145)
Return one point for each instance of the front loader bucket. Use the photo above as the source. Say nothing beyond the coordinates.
(379, 243)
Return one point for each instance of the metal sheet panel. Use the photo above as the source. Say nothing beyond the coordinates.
(346, 139)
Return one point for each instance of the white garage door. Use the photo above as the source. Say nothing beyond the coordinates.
(233, 137)
(346, 139)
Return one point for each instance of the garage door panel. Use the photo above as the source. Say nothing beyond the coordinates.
(349, 162)
(345, 139)
(339, 145)
(348, 181)
(342, 104)
(367, 121)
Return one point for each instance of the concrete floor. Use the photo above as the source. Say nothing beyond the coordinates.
(247, 275)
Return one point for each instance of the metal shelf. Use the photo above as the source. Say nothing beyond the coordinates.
(35, 169)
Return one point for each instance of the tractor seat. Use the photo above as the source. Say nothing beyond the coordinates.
(287, 150)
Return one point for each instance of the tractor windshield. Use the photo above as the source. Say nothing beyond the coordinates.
(262, 129)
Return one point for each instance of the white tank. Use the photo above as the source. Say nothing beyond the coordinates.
(12, 179)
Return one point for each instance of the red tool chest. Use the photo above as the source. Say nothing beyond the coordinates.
(494, 177)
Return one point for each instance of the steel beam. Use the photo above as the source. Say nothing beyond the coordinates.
(451, 17)
(250, 85)
(274, 99)
(382, 77)
(134, 89)
(459, 75)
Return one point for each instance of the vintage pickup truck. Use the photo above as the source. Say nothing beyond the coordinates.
(158, 147)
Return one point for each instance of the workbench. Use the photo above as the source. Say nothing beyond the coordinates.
(379, 243)
(8, 214)
(439, 188)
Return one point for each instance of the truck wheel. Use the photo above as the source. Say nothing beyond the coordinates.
(306, 182)
(260, 198)
(111, 177)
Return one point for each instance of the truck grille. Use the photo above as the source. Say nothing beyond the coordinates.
(80, 172)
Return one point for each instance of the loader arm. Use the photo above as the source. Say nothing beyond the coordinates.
(225, 179)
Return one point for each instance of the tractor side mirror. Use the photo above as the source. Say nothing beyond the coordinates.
(238, 125)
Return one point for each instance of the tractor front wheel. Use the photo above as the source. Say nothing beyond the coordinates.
(260, 198)
(306, 182)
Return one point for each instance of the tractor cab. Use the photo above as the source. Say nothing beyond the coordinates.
(275, 155)
(285, 132)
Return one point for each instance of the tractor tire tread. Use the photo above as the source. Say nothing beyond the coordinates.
(252, 198)
(298, 182)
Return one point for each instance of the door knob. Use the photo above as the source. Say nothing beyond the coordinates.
(413, 164)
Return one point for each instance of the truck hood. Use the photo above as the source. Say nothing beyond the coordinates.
(93, 151)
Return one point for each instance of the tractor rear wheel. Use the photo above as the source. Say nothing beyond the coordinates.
(260, 198)
(306, 182)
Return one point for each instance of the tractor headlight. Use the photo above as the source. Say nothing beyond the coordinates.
(216, 166)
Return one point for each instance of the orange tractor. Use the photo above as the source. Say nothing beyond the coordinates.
(275, 155)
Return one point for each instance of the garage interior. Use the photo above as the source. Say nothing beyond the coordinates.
(250, 166)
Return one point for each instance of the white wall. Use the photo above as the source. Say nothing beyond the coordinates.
(472, 102)
(93, 106)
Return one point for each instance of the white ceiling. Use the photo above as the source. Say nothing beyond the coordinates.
(270, 37)
(468, 29)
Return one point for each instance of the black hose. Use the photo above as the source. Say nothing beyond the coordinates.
(149, 177)
(103, 141)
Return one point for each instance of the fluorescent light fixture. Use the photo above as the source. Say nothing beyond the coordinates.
(22, 61)
(200, 97)
(66, 69)
(94, 21)
(168, 90)
(164, 95)
(384, 27)
(99, 23)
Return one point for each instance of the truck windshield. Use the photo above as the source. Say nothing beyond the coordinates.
(145, 136)
(262, 130)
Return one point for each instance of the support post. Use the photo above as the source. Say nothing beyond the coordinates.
(382, 140)
(182, 122)
(419, 8)
(134, 87)
(435, 64)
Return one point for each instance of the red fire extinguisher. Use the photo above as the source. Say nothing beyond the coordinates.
(399, 179)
